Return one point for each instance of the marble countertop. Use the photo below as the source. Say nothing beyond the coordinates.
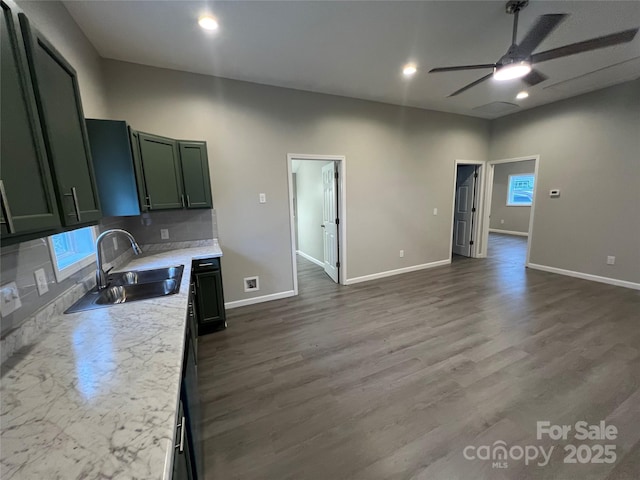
(97, 396)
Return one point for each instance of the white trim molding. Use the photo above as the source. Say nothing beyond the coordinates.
(310, 258)
(489, 194)
(391, 273)
(479, 247)
(262, 299)
(586, 276)
(509, 232)
(342, 205)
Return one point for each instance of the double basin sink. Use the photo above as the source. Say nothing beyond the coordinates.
(124, 287)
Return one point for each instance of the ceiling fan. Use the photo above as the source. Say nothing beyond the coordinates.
(518, 61)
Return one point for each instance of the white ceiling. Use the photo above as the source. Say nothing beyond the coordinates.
(357, 48)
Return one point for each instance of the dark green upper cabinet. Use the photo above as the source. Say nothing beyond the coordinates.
(62, 120)
(195, 174)
(161, 171)
(134, 139)
(28, 197)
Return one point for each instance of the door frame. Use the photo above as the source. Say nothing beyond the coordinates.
(478, 249)
(489, 194)
(342, 209)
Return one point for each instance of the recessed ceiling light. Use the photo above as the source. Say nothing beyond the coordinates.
(511, 71)
(409, 69)
(208, 22)
(522, 95)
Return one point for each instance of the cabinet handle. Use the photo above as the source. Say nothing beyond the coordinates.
(76, 206)
(188, 201)
(7, 210)
(180, 446)
(182, 197)
(205, 264)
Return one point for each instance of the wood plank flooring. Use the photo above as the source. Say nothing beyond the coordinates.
(391, 379)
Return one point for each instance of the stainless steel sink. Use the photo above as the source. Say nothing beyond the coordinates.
(124, 287)
(145, 276)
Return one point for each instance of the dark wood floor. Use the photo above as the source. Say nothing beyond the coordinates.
(391, 379)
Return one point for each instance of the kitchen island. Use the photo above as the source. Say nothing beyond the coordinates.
(97, 396)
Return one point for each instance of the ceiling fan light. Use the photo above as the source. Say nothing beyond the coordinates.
(207, 22)
(409, 69)
(511, 71)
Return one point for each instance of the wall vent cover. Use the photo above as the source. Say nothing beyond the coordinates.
(251, 284)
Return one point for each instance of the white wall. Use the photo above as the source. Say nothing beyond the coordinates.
(310, 197)
(503, 217)
(400, 165)
(589, 148)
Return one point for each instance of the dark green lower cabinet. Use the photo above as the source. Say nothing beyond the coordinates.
(187, 456)
(182, 467)
(195, 174)
(209, 296)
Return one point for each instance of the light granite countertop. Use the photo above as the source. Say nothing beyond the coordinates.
(97, 396)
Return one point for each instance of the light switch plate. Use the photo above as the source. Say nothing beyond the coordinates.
(164, 233)
(9, 299)
(41, 281)
(263, 198)
(435, 211)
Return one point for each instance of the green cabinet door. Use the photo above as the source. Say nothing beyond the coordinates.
(134, 138)
(210, 299)
(161, 170)
(28, 197)
(65, 133)
(195, 174)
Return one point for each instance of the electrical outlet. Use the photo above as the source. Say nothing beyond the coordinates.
(164, 233)
(9, 299)
(611, 260)
(502, 221)
(251, 284)
(263, 198)
(115, 242)
(401, 253)
(435, 211)
(41, 281)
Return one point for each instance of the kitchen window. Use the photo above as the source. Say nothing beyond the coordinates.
(520, 191)
(72, 251)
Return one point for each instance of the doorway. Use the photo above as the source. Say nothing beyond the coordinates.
(467, 202)
(511, 194)
(317, 217)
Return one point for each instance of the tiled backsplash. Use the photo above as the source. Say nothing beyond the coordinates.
(19, 262)
(182, 225)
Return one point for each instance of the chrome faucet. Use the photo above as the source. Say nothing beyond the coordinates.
(101, 275)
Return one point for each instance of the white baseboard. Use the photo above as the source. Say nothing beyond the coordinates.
(254, 300)
(310, 258)
(509, 232)
(586, 276)
(390, 273)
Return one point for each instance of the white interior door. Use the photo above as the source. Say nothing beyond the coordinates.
(330, 221)
(463, 217)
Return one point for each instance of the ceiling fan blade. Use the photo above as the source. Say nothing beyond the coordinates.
(534, 77)
(472, 84)
(462, 67)
(585, 46)
(540, 30)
